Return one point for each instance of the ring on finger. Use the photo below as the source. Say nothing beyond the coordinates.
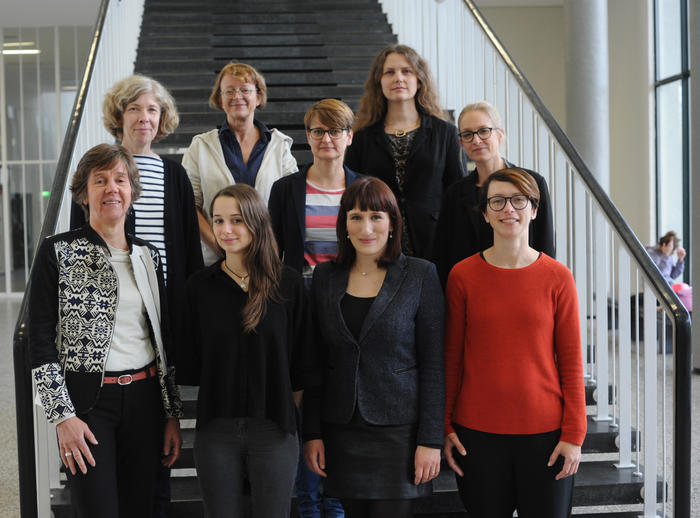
(68, 454)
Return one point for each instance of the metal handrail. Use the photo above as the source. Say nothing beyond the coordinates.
(666, 296)
(22, 367)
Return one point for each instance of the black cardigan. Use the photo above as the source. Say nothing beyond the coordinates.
(266, 365)
(432, 166)
(287, 212)
(182, 246)
(462, 230)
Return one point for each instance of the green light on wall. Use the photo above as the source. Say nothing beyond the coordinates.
(45, 194)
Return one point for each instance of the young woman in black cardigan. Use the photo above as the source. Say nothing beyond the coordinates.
(248, 321)
(401, 137)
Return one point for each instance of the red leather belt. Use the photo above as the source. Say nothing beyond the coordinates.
(126, 379)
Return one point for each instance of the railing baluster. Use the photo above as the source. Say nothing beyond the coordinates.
(625, 379)
(650, 451)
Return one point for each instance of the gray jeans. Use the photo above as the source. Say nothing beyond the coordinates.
(226, 449)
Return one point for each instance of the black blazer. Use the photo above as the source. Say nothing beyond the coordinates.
(462, 231)
(394, 374)
(432, 166)
(287, 211)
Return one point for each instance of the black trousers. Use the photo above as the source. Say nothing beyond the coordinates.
(503, 473)
(128, 423)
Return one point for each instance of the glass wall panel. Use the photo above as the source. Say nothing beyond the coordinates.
(38, 95)
(668, 38)
(669, 138)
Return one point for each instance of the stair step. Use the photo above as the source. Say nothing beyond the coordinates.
(168, 8)
(243, 53)
(261, 16)
(264, 40)
(301, 78)
(291, 93)
(361, 64)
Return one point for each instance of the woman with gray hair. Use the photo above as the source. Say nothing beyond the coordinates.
(99, 345)
(138, 111)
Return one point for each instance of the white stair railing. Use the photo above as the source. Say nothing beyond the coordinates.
(608, 262)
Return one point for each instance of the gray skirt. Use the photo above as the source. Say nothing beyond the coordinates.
(367, 461)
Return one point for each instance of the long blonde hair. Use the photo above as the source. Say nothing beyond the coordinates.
(373, 104)
(262, 259)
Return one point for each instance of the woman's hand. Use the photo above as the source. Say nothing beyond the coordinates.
(427, 464)
(315, 456)
(172, 442)
(681, 253)
(71, 443)
(572, 457)
(452, 441)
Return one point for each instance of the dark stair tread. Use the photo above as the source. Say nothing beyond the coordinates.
(264, 40)
(242, 53)
(188, 80)
(211, 67)
(596, 483)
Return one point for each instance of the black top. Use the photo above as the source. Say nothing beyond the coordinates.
(244, 374)
(462, 230)
(432, 165)
(355, 311)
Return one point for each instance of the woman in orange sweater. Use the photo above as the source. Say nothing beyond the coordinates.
(515, 409)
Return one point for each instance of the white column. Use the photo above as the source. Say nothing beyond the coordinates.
(587, 85)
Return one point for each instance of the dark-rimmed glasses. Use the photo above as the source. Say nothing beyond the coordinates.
(484, 133)
(334, 133)
(498, 203)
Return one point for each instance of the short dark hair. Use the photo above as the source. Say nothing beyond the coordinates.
(668, 237)
(98, 158)
(368, 193)
(522, 180)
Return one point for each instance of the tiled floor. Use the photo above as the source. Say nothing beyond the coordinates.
(9, 500)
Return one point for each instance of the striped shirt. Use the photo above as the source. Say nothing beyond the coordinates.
(321, 213)
(149, 208)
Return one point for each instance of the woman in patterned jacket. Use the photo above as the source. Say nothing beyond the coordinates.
(98, 339)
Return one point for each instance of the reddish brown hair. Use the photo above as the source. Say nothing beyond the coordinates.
(522, 180)
(368, 193)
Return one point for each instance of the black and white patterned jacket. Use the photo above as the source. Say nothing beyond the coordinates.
(73, 296)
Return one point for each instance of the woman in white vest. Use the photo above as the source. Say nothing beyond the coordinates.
(241, 150)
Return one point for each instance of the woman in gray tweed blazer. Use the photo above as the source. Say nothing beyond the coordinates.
(372, 423)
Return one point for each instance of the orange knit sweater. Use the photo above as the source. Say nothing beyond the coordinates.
(513, 350)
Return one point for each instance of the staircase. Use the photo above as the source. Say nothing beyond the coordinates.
(308, 50)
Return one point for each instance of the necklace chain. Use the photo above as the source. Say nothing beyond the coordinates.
(242, 284)
(402, 132)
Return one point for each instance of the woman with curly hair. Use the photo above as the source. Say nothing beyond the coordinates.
(401, 137)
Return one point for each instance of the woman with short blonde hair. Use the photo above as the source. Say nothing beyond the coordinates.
(241, 150)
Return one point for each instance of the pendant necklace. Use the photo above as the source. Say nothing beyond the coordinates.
(242, 284)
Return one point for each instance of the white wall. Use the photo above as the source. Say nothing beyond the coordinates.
(41, 13)
(535, 38)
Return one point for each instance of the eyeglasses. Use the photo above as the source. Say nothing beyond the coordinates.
(245, 92)
(334, 133)
(518, 202)
(484, 133)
